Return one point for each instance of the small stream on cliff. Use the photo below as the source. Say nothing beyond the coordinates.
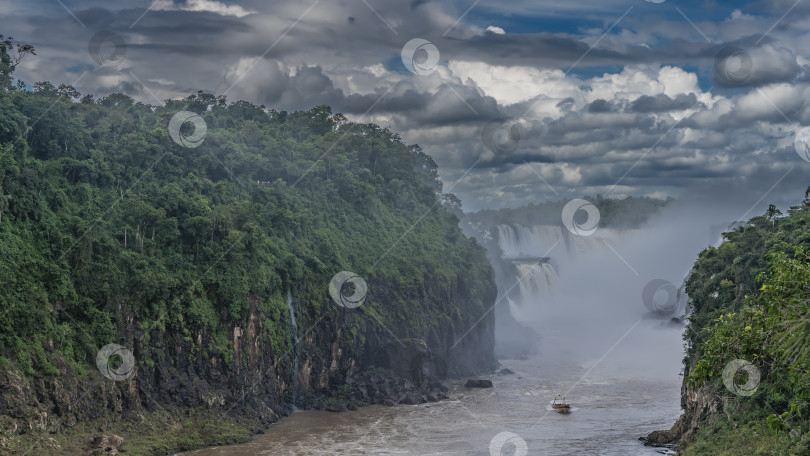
(625, 396)
(294, 332)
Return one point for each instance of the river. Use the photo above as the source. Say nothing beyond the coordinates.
(619, 393)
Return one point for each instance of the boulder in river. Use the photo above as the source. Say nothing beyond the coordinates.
(478, 383)
(336, 407)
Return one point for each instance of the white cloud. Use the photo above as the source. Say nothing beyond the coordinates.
(210, 6)
(514, 84)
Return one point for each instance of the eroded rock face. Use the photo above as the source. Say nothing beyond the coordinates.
(700, 405)
(106, 444)
(183, 370)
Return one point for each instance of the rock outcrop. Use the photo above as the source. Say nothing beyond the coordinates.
(106, 444)
(699, 405)
(478, 383)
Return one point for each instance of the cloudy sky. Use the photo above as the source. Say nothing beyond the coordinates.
(518, 102)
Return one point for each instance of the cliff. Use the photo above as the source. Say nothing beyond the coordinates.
(747, 365)
(168, 269)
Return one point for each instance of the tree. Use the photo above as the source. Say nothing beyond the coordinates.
(69, 91)
(44, 87)
(772, 213)
(11, 55)
(452, 203)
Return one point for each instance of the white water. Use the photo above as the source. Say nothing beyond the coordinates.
(519, 241)
(537, 279)
(561, 277)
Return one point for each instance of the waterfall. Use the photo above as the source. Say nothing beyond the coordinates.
(538, 253)
(536, 280)
(538, 241)
(520, 241)
(294, 333)
(519, 313)
(527, 248)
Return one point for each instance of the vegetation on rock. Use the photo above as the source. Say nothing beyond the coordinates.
(111, 232)
(750, 300)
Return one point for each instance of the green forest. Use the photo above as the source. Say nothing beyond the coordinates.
(106, 223)
(750, 299)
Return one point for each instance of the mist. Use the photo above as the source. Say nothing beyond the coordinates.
(583, 300)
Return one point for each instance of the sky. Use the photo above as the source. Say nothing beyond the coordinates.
(518, 102)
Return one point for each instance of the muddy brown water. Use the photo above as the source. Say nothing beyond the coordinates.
(613, 406)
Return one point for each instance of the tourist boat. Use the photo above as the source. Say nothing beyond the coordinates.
(560, 405)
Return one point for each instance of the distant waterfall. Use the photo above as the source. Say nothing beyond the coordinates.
(538, 253)
(527, 249)
(529, 242)
(294, 333)
(537, 241)
(536, 280)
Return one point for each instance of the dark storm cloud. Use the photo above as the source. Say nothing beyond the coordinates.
(663, 103)
(600, 106)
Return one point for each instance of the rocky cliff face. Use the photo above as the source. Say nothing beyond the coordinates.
(700, 405)
(179, 371)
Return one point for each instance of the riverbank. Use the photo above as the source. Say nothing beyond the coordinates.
(611, 411)
(161, 432)
(167, 430)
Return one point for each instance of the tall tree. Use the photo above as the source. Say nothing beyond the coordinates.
(11, 55)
